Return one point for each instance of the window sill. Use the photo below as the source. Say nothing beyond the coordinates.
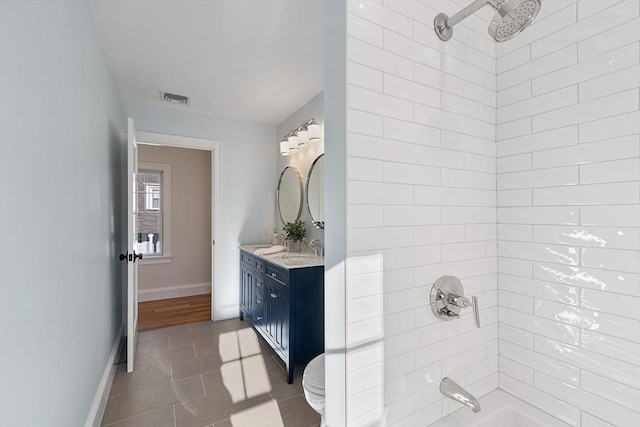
(150, 260)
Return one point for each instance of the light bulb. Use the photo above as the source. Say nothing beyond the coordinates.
(284, 148)
(293, 143)
(314, 132)
(303, 138)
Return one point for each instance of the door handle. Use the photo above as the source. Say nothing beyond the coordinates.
(129, 257)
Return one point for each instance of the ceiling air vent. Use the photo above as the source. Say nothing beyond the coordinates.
(174, 98)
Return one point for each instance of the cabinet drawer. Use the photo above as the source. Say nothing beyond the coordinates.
(258, 285)
(278, 275)
(258, 302)
(258, 315)
(253, 262)
(260, 265)
(247, 259)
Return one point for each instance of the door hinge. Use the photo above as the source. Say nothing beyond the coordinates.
(213, 242)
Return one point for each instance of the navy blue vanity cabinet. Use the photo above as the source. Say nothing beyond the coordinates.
(247, 277)
(285, 306)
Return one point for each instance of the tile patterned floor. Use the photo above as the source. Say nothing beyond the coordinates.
(209, 374)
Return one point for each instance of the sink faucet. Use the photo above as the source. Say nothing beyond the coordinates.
(281, 239)
(317, 247)
(452, 390)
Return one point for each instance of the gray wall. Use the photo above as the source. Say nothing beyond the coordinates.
(248, 180)
(60, 290)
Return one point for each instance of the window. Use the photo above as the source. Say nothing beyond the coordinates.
(154, 211)
(152, 199)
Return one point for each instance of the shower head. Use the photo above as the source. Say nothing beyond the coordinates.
(512, 16)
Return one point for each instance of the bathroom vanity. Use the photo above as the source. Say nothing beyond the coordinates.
(282, 296)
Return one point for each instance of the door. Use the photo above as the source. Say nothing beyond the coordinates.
(276, 315)
(246, 292)
(132, 240)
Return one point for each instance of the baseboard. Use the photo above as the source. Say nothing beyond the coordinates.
(229, 312)
(155, 294)
(96, 412)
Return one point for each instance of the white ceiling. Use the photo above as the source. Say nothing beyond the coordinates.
(255, 60)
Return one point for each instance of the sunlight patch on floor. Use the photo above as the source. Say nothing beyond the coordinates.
(244, 372)
(266, 414)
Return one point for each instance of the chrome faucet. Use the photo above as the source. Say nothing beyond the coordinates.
(281, 239)
(452, 390)
(316, 245)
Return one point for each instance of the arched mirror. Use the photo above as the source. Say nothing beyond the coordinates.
(315, 192)
(289, 195)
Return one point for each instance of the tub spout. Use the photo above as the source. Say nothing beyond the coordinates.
(452, 390)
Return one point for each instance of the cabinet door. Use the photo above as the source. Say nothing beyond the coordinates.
(246, 291)
(268, 308)
(277, 315)
(281, 320)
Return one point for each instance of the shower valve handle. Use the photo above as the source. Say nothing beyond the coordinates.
(458, 300)
(463, 302)
(447, 300)
(476, 312)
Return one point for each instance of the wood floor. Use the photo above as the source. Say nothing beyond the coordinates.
(171, 312)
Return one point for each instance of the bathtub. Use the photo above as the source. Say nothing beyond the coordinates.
(500, 409)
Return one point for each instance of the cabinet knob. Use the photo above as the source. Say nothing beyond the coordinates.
(273, 295)
(258, 318)
(273, 274)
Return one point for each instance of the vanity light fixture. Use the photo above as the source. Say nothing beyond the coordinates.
(293, 142)
(302, 137)
(314, 131)
(284, 147)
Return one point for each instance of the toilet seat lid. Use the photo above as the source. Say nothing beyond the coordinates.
(313, 375)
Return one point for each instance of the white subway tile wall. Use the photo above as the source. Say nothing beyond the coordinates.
(568, 197)
(422, 198)
(516, 167)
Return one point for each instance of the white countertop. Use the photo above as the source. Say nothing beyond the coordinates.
(288, 260)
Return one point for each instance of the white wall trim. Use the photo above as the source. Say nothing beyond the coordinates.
(177, 291)
(151, 260)
(216, 202)
(96, 412)
(229, 311)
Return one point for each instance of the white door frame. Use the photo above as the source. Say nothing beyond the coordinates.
(147, 138)
(130, 255)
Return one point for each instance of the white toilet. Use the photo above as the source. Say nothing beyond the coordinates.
(313, 386)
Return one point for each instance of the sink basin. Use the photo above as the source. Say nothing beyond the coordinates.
(262, 246)
(295, 258)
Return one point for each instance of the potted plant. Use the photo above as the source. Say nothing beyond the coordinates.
(295, 233)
